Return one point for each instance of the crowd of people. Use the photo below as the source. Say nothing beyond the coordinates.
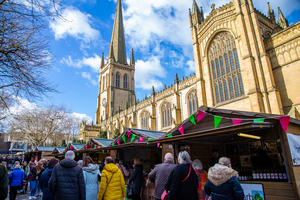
(84, 180)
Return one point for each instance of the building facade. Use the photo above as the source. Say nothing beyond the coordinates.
(244, 60)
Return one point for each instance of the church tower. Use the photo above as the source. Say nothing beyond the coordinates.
(116, 85)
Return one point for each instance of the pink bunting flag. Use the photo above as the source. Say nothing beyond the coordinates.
(91, 145)
(236, 121)
(158, 145)
(118, 142)
(284, 121)
(71, 147)
(141, 139)
(128, 133)
(200, 115)
(180, 129)
(107, 150)
(98, 147)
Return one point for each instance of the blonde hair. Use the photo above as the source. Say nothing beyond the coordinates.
(224, 161)
(18, 166)
(17, 163)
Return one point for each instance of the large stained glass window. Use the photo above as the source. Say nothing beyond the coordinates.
(225, 68)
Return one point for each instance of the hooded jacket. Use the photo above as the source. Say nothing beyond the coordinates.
(3, 182)
(223, 183)
(44, 184)
(137, 178)
(67, 181)
(90, 174)
(112, 186)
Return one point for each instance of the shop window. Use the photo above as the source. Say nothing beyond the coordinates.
(193, 102)
(125, 82)
(225, 68)
(145, 120)
(166, 115)
(118, 80)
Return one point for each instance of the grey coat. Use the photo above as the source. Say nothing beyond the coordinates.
(160, 175)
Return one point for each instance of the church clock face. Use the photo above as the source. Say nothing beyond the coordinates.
(103, 102)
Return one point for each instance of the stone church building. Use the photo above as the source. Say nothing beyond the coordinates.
(244, 60)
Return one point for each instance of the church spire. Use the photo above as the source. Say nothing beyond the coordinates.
(282, 21)
(117, 43)
(197, 15)
(271, 14)
(102, 61)
(132, 61)
(111, 52)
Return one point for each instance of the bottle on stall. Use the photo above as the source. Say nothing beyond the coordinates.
(257, 174)
(276, 174)
(265, 174)
(272, 174)
(280, 176)
(261, 177)
(284, 174)
(268, 174)
(240, 175)
(254, 174)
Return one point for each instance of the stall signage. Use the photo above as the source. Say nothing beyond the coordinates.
(294, 143)
(253, 191)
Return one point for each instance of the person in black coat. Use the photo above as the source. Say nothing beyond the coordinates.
(47, 195)
(67, 181)
(183, 182)
(137, 178)
(222, 182)
(3, 182)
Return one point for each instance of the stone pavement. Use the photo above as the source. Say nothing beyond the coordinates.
(24, 197)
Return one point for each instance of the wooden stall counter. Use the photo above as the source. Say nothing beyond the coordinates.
(276, 190)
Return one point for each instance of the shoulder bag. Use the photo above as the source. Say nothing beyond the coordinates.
(107, 186)
(129, 191)
(164, 195)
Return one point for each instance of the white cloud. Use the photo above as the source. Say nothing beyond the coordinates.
(77, 26)
(147, 71)
(191, 67)
(81, 117)
(88, 76)
(92, 62)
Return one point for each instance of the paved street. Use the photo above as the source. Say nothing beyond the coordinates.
(24, 197)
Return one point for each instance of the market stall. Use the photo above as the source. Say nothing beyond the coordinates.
(58, 152)
(256, 143)
(95, 143)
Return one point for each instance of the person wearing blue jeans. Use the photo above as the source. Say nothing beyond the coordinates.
(33, 185)
(33, 181)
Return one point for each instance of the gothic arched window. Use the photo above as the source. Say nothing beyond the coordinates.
(145, 120)
(193, 102)
(103, 82)
(125, 82)
(118, 80)
(166, 112)
(225, 68)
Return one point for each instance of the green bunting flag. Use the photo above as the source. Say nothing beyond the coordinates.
(259, 120)
(149, 139)
(77, 154)
(95, 147)
(113, 144)
(192, 119)
(89, 142)
(132, 138)
(170, 135)
(103, 151)
(217, 120)
(123, 137)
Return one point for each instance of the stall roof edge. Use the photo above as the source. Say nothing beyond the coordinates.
(219, 112)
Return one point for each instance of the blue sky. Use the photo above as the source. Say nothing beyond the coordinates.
(157, 30)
